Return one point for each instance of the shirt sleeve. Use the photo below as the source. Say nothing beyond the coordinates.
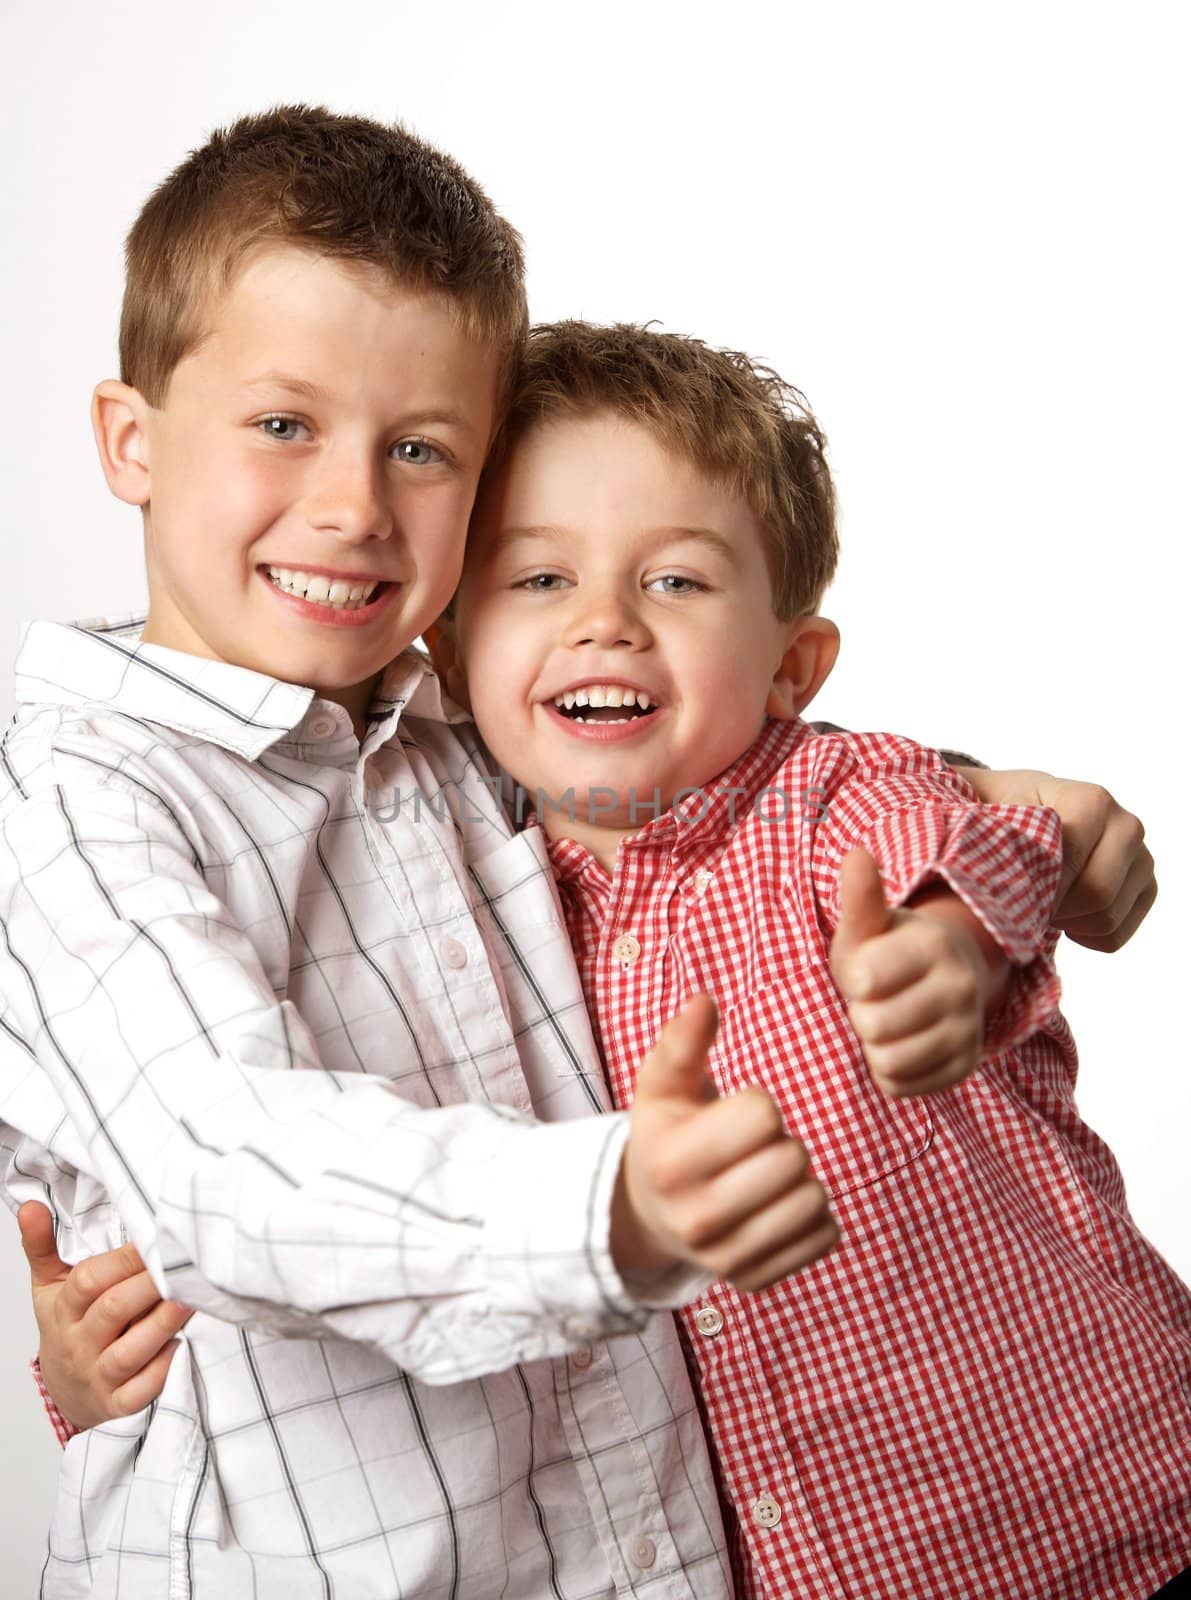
(259, 1186)
(64, 1429)
(922, 822)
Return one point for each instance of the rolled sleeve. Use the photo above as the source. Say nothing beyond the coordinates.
(922, 823)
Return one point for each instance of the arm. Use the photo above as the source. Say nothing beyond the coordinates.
(713, 1184)
(257, 1185)
(1107, 885)
(262, 1188)
(957, 902)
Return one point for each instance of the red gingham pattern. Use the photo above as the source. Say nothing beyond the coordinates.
(64, 1429)
(984, 1393)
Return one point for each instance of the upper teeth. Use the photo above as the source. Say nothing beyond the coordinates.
(323, 591)
(603, 694)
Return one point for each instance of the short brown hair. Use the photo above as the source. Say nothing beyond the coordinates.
(344, 187)
(733, 418)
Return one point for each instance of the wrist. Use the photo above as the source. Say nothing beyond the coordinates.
(631, 1243)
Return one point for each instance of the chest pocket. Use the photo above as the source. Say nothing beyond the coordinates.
(793, 1039)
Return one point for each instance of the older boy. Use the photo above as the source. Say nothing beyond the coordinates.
(331, 1070)
(983, 1391)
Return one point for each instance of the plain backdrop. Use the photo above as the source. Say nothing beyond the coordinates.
(961, 230)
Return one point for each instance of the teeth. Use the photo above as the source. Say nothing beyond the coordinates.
(599, 695)
(339, 592)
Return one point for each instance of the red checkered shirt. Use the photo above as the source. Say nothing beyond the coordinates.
(985, 1390)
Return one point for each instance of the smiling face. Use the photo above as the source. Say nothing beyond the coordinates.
(307, 481)
(603, 569)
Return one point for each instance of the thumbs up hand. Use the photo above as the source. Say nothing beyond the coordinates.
(915, 982)
(716, 1182)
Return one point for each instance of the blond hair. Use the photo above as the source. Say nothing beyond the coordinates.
(734, 419)
(349, 188)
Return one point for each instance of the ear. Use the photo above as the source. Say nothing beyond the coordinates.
(119, 417)
(444, 652)
(811, 649)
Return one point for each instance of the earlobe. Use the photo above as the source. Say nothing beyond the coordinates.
(118, 418)
(811, 649)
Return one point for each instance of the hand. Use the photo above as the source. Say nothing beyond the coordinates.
(718, 1183)
(107, 1337)
(1107, 885)
(915, 987)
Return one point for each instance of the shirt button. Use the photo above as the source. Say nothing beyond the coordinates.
(701, 879)
(626, 949)
(709, 1320)
(452, 953)
(766, 1512)
(644, 1551)
(322, 726)
(581, 1359)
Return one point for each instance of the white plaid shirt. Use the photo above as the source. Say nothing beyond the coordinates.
(302, 1021)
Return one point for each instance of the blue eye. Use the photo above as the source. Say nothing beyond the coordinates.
(675, 583)
(417, 452)
(281, 428)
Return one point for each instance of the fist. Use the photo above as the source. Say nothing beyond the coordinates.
(915, 987)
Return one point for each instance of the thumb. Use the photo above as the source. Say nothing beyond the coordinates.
(37, 1241)
(676, 1067)
(863, 913)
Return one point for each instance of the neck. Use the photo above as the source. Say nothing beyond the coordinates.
(603, 842)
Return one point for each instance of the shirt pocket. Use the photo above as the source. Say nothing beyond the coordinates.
(794, 1040)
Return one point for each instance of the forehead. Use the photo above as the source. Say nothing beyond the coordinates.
(341, 326)
(606, 477)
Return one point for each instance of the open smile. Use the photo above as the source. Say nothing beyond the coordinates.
(338, 599)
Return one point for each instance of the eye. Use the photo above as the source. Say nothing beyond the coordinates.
(283, 429)
(541, 582)
(417, 452)
(675, 583)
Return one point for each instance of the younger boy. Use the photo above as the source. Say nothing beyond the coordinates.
(984, 1390)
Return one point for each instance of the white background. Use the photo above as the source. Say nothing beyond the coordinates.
(962, 231)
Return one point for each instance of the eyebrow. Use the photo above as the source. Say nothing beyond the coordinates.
(441, 416)
(705, 536)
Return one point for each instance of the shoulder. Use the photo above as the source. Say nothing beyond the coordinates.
(50, 750)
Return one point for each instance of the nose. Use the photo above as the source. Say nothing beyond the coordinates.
(605, 615)
(348, 497)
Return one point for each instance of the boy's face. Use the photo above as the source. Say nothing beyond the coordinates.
(597, 560)
(330, 425)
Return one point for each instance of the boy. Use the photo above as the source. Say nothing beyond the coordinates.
(603, 562)
(330, 1069)
(983, 1391)
(199, 898)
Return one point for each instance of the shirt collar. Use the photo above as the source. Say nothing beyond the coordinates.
(708, 815)
(102, 661)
